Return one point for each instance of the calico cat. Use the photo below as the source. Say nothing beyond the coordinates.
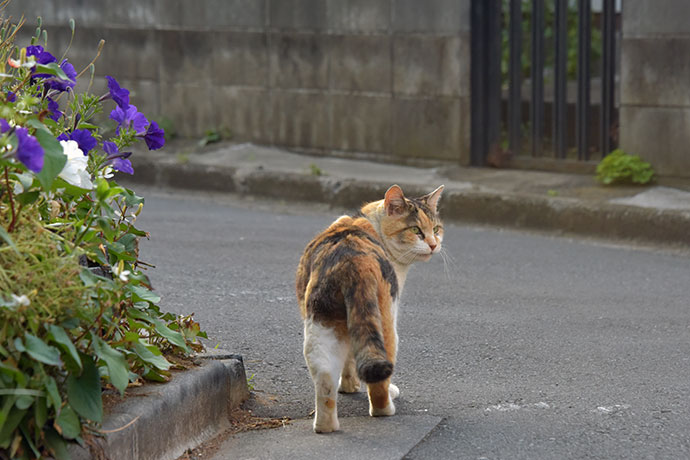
(349, 282)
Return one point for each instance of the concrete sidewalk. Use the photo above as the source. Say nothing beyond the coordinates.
(553, 202)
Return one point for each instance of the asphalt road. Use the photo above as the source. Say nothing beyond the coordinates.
(524, 346)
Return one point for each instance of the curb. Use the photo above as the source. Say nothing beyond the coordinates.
(510, 210)
(162, 421)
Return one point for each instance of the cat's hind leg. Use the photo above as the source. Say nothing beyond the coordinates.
(325, 354)
(349, 382)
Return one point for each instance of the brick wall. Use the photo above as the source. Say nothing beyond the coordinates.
(387, 79)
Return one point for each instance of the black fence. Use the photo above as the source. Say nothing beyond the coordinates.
(551, 104)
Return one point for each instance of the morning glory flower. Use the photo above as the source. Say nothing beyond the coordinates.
(120, 95)
(129, 118)
(41, 56)
(10, 97)
(118, 160)
(154, 137)
(29, 151)
(84, 139)
(54, 109)
(60, 84)
(74, 171)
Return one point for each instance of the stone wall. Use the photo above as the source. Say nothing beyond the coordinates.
(387, 79)
(655, 84)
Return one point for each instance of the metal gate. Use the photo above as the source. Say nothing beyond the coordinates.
(551, 104)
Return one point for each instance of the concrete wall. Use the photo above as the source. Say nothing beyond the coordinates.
(655, 84)
(381, 78)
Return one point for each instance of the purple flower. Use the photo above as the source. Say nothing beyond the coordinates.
(11, 97)
(82, 137)
(154, 137)
(29, 151)
(119, 95)
(54, 109)
(119, 161)
(62, 85)
(42, 56)
(129, 118)
(4, 126)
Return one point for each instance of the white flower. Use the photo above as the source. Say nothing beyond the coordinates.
(106, 173)
(74, 171)
(118, 270)
(22, 300)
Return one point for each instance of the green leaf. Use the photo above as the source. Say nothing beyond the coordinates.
(56, 444)
(140, 293)
(60, 337)
(118, 370)
(67, 423)
(52, 69)
(40, 351)
(53, 160)
(53, 398)
(27, 198)
(24, 401)
(41, 412)
(173, 337)
(84, 392)
(8, 239)
(148, 355)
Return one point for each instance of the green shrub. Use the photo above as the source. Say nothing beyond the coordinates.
(76, 311)
(619, 167)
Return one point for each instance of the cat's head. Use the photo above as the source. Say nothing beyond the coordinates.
(411, 226)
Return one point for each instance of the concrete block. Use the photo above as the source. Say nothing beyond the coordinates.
(360, 63)
(128, 53)
(427, 128)
(298, 60)
(654, 72)
(435, 16)
(222, 14)
(240, 58)
(185, 56)
(85, 13)
(169, 14)
(187, 106)
(660, 135)
(129, 13)
(301, 119)
(245, 112)
(359, 15)
(431, 65)
(145, 94)
(642, 18)
(361, 123)
(297, 14)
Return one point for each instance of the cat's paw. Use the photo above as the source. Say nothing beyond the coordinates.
(326, 424)
(349, 384)
(382, 412)
(393, 391)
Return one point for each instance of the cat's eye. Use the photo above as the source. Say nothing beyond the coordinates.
(416, 230)
(437, 229)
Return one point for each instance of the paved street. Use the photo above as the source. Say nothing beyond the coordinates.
(520, 346)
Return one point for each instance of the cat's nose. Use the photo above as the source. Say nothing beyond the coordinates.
(432, 246)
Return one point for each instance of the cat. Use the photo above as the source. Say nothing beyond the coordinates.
(349, 281)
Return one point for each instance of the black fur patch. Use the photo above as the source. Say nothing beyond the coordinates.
(389, 275)
(374, 370)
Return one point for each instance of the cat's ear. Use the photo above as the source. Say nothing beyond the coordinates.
(432, 198)
(394, 201)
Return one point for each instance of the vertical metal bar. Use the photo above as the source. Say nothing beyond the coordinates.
(515, 77)
(583, 73)
(478, 55)
(485, 78)
(494, 74)
(560, 96)
(537, 76)
(607, 75)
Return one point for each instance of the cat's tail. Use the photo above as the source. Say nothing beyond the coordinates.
(366, 333)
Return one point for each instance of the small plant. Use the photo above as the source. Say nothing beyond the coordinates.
(76, 311)
(619, 167)
(314, 170)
